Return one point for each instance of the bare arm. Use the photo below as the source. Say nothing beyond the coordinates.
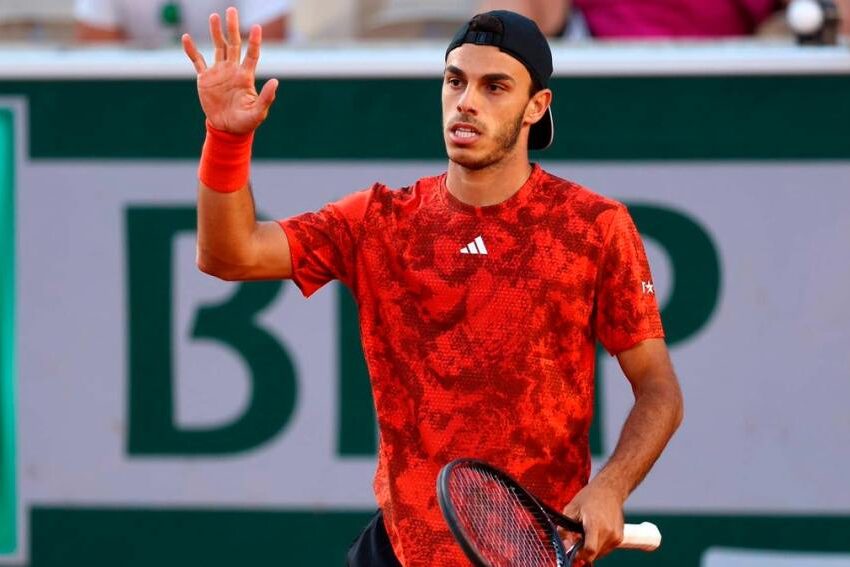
(87, 33)
(550, 15)
(232, 245)
(276, 29)
(655, 416)
(844, 12)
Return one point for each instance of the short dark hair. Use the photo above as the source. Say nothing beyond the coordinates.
(491, 24)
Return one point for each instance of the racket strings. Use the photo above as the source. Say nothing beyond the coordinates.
(497, 520)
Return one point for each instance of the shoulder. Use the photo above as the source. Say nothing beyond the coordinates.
(389, 200)
(578, 202)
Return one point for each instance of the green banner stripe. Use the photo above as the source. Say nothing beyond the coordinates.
(643, 118)
(8, 467)
(143, 538)
(108, 537)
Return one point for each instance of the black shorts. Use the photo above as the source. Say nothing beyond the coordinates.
(372, 547)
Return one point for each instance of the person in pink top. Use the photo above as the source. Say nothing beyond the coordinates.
(675, 18)
(645, 18)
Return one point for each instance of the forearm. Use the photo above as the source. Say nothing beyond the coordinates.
(226, 227)
(655, 416)
(87, 33)
(844, 12)
(276, 29)
(226, 217)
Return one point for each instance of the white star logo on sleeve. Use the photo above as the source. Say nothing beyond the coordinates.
(648, 288)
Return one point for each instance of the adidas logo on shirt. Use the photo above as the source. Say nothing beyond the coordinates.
(475, 247)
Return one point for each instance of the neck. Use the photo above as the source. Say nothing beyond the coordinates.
(491, 185)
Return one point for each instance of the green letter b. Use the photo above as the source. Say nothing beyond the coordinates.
(151, 232)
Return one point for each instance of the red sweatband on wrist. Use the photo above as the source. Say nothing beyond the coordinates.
(225, 160)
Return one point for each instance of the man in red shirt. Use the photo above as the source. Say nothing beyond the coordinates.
(482, 292)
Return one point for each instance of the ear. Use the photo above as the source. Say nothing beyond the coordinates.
(537, 105)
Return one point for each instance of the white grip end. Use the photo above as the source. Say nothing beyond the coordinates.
(644, 536)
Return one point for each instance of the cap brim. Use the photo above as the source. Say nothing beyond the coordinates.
(542, 133)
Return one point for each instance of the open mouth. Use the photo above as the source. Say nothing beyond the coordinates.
(463, 134)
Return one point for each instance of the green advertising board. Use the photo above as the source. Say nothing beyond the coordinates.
(8, 463)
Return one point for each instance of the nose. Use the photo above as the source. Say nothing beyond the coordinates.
(467, 103)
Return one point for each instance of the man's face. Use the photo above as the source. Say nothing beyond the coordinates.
(485, 96)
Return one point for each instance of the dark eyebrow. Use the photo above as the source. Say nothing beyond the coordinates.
(490, 78)
(455, 71)
(495, 77)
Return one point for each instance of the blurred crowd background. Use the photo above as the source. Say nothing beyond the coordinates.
(158, 23)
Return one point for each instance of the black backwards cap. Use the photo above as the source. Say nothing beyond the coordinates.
(520, 38)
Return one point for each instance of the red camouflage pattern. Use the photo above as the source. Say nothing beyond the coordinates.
(487, 356)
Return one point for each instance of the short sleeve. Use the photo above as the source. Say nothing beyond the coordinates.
(100, 13)
(323, 244)
(625, 310)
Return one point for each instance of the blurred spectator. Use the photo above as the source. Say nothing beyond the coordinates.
(27, 21)
(682, 19)
(780, 24)
(156, 23)
(413, 18)
(552, 16)
(844, 15)
(655, 18)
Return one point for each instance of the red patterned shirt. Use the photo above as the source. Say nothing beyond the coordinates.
(479, 327)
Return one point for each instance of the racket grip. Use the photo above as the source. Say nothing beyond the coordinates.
(644, 536)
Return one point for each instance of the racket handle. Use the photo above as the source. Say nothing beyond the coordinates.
(644, 536)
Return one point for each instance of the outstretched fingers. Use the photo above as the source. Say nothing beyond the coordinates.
(252, 55)
(217, 37)
(192, 52)
(234, 40)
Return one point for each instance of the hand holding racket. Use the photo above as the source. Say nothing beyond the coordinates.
(500, 524)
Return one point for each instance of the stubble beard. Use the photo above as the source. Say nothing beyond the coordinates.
(506, 141)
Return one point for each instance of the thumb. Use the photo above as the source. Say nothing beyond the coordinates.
(572, 511)
(267, 94)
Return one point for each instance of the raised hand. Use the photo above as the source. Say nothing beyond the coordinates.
(226, 90)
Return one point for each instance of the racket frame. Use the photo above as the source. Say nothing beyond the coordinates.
(548, 517)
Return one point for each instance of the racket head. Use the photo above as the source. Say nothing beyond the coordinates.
(496, 521)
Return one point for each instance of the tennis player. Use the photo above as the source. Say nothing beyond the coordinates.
(482, 292)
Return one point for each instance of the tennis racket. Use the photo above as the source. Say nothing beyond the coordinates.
(500, 524)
